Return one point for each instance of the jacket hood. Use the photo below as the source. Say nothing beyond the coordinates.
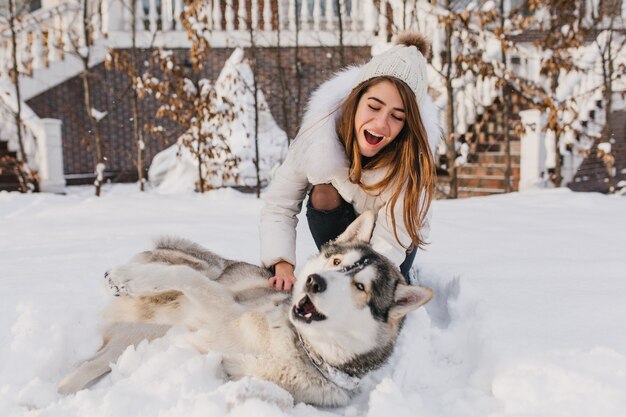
(319, 121)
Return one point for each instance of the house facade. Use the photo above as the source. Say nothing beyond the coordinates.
(297, 45)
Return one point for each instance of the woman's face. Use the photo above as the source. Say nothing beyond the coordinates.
(379, 117)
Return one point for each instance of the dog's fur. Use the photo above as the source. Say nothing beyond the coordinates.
(341, 322)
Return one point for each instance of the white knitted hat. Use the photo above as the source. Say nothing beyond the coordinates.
(405, 61)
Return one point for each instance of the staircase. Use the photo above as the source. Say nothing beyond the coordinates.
(483, 173)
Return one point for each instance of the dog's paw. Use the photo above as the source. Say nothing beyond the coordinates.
(138, 279)
(117, 280)
(237, 392)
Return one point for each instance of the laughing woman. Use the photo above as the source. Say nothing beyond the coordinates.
(363, 145)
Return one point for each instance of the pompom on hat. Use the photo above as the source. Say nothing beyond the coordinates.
(405, 61)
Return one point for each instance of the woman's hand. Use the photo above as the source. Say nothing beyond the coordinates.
(283, 278)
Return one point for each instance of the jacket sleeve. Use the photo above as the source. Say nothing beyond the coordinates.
(283, 202)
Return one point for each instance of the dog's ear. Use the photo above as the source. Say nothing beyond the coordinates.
(359, 230)
(409, 298)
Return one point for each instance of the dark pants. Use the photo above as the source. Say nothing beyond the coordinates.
(326, 225)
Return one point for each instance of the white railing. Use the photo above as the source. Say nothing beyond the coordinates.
(316, 21)
(42, 143)
(8, 129)
(43, 37)
(46, 35)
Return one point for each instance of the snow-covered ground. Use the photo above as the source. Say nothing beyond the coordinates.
(529, 318)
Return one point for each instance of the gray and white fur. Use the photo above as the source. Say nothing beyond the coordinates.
(340, 323)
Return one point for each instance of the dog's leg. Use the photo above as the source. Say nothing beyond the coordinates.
(141, 279)
(303, 387)
(119, 337)
(239, 365)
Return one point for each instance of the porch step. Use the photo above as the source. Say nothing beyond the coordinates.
(485, 182)
(496, 158)
(487, 169)
(478, 191)
(515, 146)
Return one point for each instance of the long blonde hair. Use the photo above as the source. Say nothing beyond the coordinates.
(409, 161)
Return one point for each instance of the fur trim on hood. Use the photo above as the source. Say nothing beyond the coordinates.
(321, 149)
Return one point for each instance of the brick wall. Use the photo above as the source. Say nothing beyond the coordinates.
(276, 76)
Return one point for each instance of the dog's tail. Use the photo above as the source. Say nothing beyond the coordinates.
(117, 338)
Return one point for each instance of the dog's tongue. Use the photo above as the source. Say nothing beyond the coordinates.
(371, 139)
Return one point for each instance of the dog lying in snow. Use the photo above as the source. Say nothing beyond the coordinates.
(340, 323)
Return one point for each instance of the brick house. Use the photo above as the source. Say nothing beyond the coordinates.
(298, 47)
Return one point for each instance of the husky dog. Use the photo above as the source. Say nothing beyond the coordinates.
(340, 323)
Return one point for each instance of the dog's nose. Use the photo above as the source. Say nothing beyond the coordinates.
(315, 283)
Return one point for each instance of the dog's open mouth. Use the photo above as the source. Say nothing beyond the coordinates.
(305, 310)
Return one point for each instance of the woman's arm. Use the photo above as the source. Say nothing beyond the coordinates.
(283, 202)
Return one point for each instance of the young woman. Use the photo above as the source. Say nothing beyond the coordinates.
(363, 145)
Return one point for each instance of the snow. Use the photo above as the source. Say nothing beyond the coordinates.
(605, 147)
(175, 168)
(528, 317)
(97, 114)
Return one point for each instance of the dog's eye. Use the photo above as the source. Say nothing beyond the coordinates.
(359, 286)
(336, 261)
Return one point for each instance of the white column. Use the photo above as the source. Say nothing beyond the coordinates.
(489, 91)
(166, 15)
(330, 16)
(369, 16)
(533, 151)
(317, 15)
(178, 9)
(267, 15)
(37, 49)
(437, 42)
(281, 15)
(51, 178)
(242, 15)
(229, 15)
(470, 98)
(108, 15)
(54, 54)
(254, 13)
(96, 24)
(139, 15)
(152, 16)
(217, 15)
(292, 15)
(304, 15)
(355, 16)
(66, 39)
(382, 20)
(22, 51)
(461, 121)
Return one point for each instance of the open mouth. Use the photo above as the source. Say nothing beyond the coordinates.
(305, 311)
(372, 139)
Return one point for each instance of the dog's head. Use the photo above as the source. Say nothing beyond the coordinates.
(349, 300)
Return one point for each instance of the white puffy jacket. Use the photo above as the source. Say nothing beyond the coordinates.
(317, 157)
